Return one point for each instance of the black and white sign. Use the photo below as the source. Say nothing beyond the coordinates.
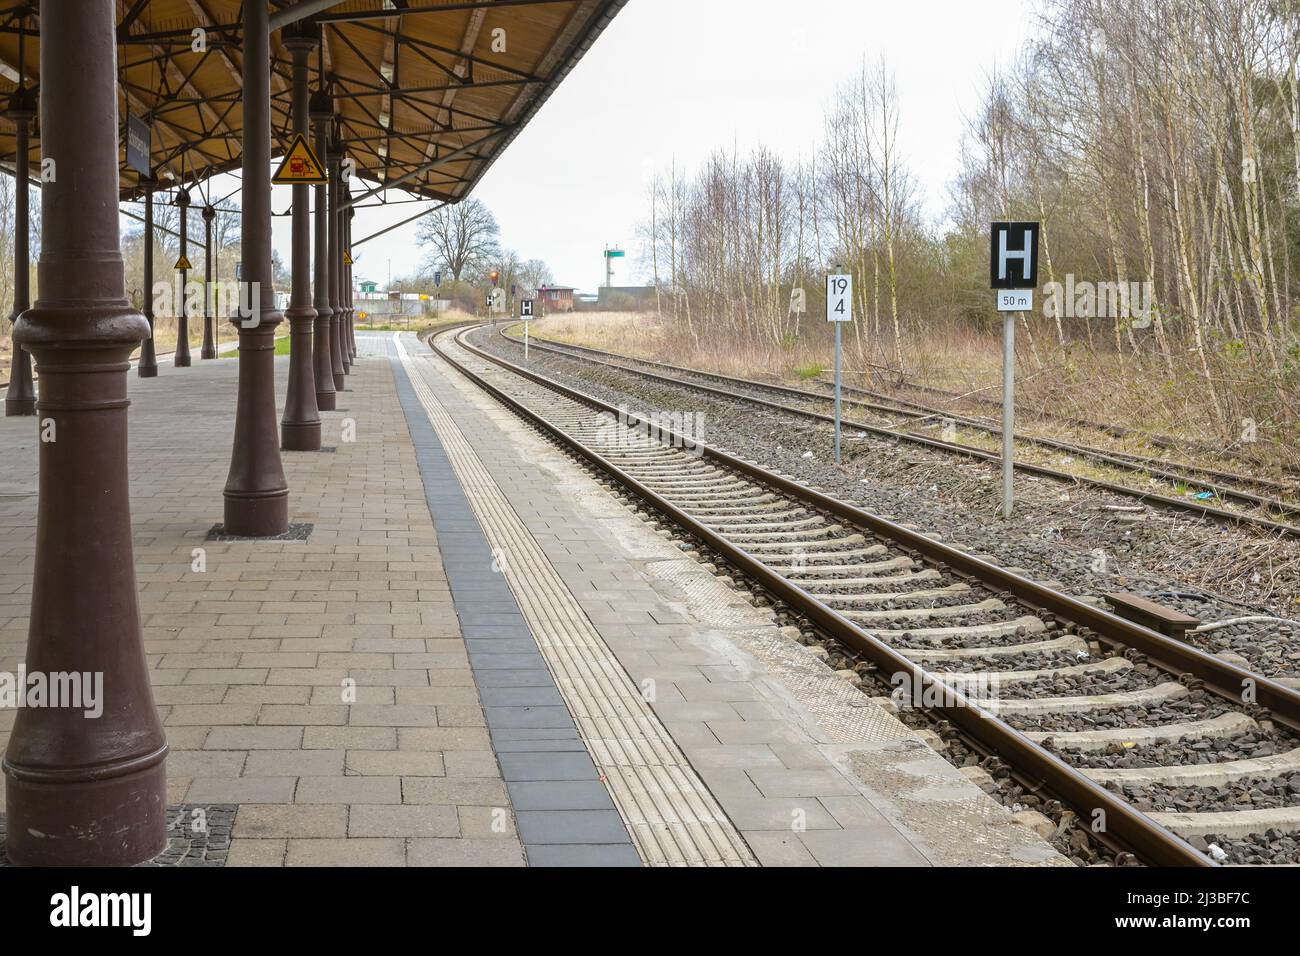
(526, 308)
(839, 298)
(139, 145)
(1013, 255)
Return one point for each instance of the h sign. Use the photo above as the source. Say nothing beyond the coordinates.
(526, 308)
(1013, 255)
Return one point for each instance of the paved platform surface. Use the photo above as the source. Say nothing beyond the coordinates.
(478, 656)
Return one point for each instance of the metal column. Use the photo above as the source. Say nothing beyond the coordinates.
(209, 350)
(352, 310)
(181, 357)
(335, 266)
(20, 398)
(341, 214)
(300, 427)
(148, 364)
(256, 494)
(84, 790)
(322, 114)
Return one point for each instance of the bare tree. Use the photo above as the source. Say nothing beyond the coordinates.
(534, 274)
(459, 237)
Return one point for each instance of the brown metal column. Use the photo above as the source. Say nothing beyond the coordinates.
(148, 364)
(83, 789)
(335, 266)
(341, 217)
(209, 320)
(257, 495)
(181, 357)
(20, 398)
(322, 112)
(300, 427)
(352, 309)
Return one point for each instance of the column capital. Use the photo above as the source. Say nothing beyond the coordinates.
(23, 105)
(321, 109)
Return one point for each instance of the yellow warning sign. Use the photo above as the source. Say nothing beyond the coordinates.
(299, 165)
(347, 257)
(182, 264)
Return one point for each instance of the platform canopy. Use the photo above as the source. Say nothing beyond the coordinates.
(427, 92)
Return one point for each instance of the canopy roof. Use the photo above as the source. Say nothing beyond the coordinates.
(428, 92)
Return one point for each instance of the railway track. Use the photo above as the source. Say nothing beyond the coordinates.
(1208, 480)
(1062, 694)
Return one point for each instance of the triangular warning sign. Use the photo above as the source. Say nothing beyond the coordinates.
(300, 165)
(183, 263)
(347, 257)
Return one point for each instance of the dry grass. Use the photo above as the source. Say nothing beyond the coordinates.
(629, 333)
(1072, 382)
(403, 323)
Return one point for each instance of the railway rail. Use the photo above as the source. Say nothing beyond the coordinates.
(679, 378)
(970, 643)
(1114, 430)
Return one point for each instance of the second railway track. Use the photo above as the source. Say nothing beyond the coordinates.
(1065, 695)
(1265, 512)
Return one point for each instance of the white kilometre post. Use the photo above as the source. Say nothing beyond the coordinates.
(1013, 273)
(839, 309)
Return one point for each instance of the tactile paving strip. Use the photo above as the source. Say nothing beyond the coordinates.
(670, 813)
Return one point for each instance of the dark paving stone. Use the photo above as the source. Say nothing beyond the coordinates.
(520, 696)
(547, 766)
(528, 717)
(538, 746)
(495, 632)
(478, 646)
(570, 826)
(560, 795)
(501, 662)
(536, 733)
(534, 676)
(602, 855)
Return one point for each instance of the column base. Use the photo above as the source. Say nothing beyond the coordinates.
(338, 381)
(148, 364)
(20, 396)
(209, 341)
(300, 436)
(257, 516)
(67, 823)
(181, 354)
(326, 401)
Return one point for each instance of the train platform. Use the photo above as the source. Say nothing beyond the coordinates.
(466, 651)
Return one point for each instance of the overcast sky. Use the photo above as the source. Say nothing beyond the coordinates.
(675, 80)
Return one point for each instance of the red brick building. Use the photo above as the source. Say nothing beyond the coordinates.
(556, 298)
